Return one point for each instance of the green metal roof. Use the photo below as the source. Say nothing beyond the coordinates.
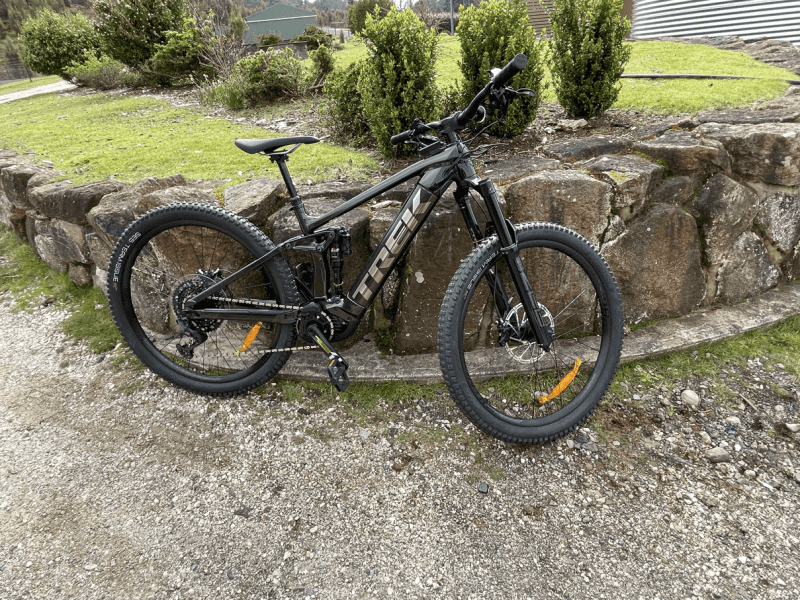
(279, 11)
(286, 28)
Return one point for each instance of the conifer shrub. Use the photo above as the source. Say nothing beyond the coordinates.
(491, 34)
(50, 42)
(180, 57)
(588, 54)
(102, 73)
(398, 83)
(344, 107)
(314, 37)
(131, 31)
(269, 75)
(357, 13)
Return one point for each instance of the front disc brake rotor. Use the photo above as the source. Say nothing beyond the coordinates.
(521, 343)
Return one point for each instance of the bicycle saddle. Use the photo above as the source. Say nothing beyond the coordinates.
(271, 145)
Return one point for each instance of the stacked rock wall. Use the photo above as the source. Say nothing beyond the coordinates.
(689, 212)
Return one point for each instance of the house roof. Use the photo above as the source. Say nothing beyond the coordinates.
(286, 28)
(279, 11)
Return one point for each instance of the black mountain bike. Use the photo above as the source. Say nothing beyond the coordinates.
(530, 330)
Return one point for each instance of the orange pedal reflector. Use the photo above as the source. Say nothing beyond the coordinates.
(251, 336)
(562, 385)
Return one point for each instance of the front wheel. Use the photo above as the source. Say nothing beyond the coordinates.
(497, 374)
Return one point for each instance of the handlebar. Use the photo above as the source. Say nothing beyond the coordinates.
(514, 66)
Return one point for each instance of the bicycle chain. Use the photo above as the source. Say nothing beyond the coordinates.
(267, 304)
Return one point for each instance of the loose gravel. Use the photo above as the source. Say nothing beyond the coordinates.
(115, 485)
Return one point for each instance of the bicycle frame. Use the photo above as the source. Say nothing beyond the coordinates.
(452, 164)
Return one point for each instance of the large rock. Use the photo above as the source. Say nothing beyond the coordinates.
(14, 202)
(768, 152)
(569, 198)
(728, 209)
(100, 255)
(254, 200)
(172, 195)
(332, 189)
(675, 190)
(588, 147)
(657, 264)
(658, 129)
(744, 116)
(631, 177)
(746, 271)
(14, 180)
(11, 216)
(115, 211)
(685, 151)
(505, 171)
(436, 252)
(792, 266)
(72, 204)
(779, 214)
(60, 243)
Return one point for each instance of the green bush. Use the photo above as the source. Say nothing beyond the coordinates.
(314, 37)
(398, 83)
(491, 34)
(344, 107)
(357, 14)
(230, 92)
(131, 31)
(268, 39)
(180, 57)
(51, 41)
(587, 54)
(321, 64)
(269, 75)
(103, 73)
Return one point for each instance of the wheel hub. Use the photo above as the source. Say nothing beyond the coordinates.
(517, 336)
(190, 288)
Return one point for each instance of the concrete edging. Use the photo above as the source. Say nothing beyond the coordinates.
(707, 325)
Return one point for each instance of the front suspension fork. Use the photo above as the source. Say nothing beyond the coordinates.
(507, 236)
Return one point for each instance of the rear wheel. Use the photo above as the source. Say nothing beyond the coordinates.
(170, 255)
(503, 381)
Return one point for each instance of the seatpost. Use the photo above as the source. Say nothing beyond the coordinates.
(297, 204)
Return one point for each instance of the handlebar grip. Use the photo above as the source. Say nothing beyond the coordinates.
(400, 137)
(514, 66)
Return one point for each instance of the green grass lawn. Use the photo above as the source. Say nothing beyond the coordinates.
(98, 136)
(26, 84)
(692, 95)
(669, 96)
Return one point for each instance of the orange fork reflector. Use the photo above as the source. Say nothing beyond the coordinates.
(251, 336)
(562, 385)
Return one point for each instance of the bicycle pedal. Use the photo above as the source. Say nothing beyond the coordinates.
(337, 371)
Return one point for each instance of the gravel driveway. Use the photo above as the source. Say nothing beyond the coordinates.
(113, 485)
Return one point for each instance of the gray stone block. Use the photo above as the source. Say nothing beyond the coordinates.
(729, 209)
(657, 263)
(570, 198)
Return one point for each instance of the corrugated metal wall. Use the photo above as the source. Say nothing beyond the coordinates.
(539, 19)
(775, 19)
(537, 15)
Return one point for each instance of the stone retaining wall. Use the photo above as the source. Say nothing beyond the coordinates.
(690, 212)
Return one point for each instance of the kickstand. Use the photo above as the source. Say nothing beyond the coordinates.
(337, 365)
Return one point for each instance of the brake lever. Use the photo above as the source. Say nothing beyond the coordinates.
(525, 92)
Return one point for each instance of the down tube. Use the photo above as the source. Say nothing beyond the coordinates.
(397, 238)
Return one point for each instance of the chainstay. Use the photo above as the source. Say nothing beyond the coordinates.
(267, 304)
